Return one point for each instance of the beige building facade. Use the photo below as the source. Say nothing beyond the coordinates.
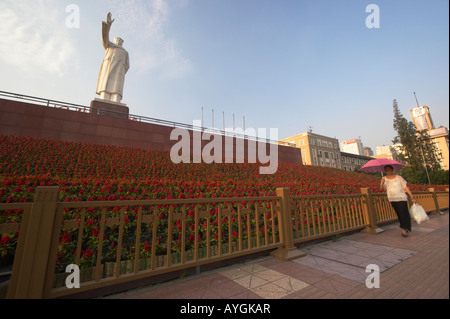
(422, 120)
(352, 162)
(353, 146)
(317, 150)
(440, 140)
(388, 151)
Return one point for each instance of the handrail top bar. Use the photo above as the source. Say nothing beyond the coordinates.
(324, 196)
(8, 206)
(184, 201)
(152, 202)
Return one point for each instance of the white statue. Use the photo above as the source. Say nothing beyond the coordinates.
(114, 66)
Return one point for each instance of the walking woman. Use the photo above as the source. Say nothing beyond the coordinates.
(396, 190)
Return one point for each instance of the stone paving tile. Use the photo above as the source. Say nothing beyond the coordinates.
(247, 294)
(251, 281)
(352, 259)
(234, 273)
(311, 275)
(270, 275)
(348, 258)
(289, 268)
(290, 284)
(355, 273)
(230, 289)
(280, 288)
(270, 291)
(335, 267)
(264, 282)
(336, 285)
(312, 261)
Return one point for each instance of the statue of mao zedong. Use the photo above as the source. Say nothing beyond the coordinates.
(114, 66)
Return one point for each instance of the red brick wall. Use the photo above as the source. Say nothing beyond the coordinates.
(25, 119)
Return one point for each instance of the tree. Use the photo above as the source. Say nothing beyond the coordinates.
(417, 150)
(428, 150)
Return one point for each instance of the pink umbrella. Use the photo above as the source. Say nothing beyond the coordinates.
(377, 165)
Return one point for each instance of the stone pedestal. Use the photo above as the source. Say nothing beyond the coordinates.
(104, 107)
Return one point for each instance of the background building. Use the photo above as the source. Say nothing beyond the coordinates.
(317, 150)
(422, 118)
(368, 151)
(352, 162)
(353, 146)
(440, 140)
(388, 151)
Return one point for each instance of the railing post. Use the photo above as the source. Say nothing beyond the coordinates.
(436, 202)
(370, 213)
(30, 262)
(288, 251)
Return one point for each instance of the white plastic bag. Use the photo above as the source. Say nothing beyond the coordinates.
(418, 213)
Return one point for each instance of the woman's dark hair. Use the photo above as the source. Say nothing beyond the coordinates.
(388, 166)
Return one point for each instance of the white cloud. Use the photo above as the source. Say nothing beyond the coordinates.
(34, 39)
(143, 21)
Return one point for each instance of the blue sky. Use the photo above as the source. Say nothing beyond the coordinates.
(286, 64)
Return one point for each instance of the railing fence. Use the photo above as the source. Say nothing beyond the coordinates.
(114, 242)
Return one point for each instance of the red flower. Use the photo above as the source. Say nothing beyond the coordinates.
(4, 240)
(87, 254)
(66, 238)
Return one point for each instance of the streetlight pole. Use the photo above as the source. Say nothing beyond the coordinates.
(424, 162)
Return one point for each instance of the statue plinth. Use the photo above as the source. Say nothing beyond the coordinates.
(105, 107)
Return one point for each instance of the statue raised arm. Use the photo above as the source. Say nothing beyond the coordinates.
(114, 66)
(106, 26)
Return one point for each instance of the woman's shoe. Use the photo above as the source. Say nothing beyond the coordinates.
(405, 233)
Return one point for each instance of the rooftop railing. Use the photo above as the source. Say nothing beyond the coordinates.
(134, 117)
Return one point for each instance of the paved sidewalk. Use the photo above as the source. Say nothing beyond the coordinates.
(416, 267)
